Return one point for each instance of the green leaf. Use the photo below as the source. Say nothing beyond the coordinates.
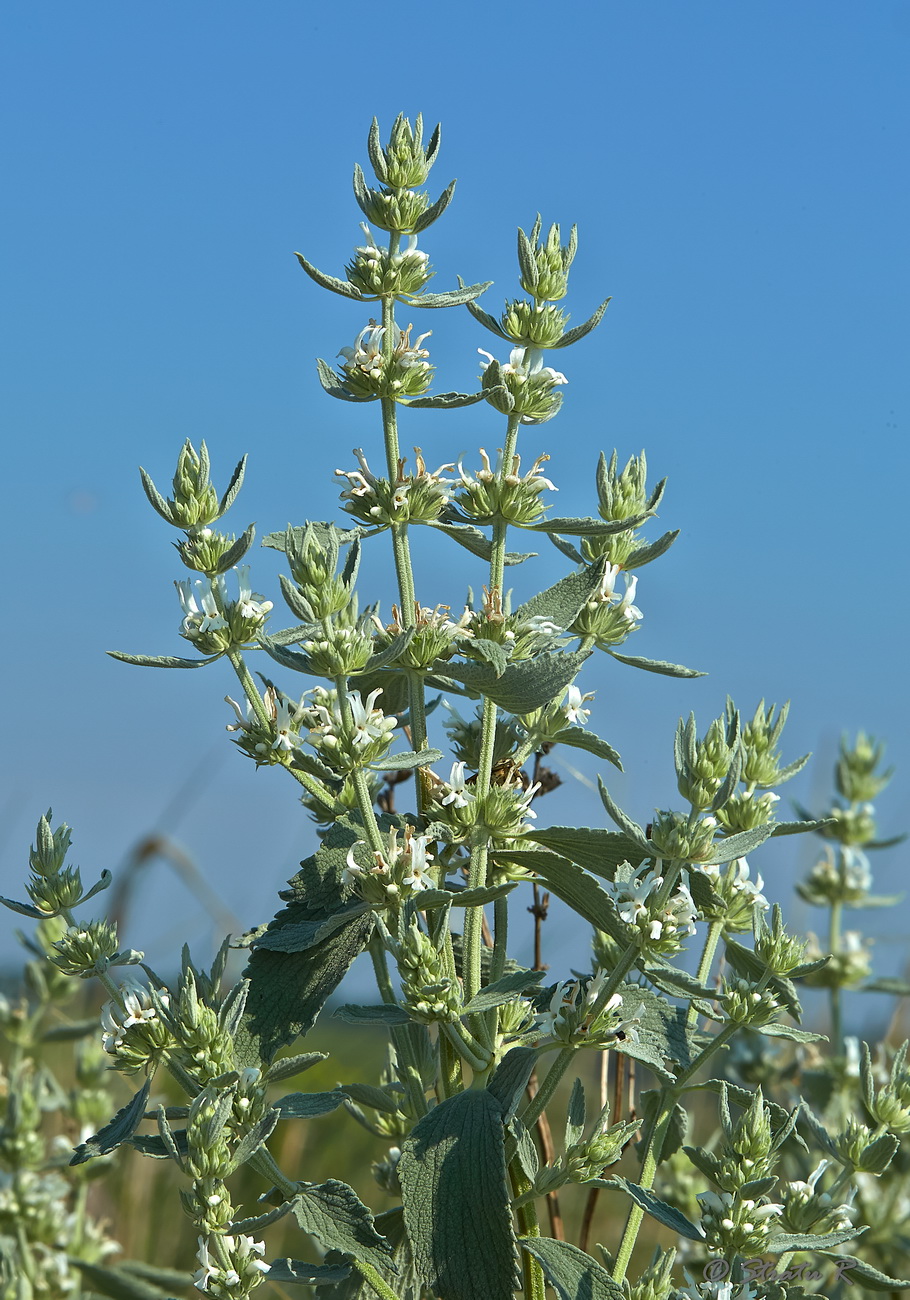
(382, 1099)
(103, 883)
(575, 1114)
(156, 500)
(857, 1270)
(333, 386)
(429, 899)
(161, 661)
(678, 983)
(510, 1078)
(307, 1105)
(452, 298)
(66, 1033)
(288, 1066)
(489, 322)
(435, 211)
(677, 1127)
(579, 738)
(442, 401)
(579, 331)
(586, 527)
(121, 1127)
(791, 1032)
(120, 1285)
(630, 829)
(343, 287)
(666, 1214)
(473, 540)
(600, 851)
(154, 1146)
(524, 686)
(406, 761)
(333, 1213)
(571, 1272)
(385, 1015)
(563, 602)
(796, 828)
(779, 1242)
(656, 665)
(236, 483)
(299, 1271)
(26, 909)
(743, 1097)
(567, 881)
(645, 554)
(504, 990)
(254, 1138)
(297, 936)
(490, 652)
(236, 552)
(900, 988)
(289, 989)
(737, 846)
(456, 1198)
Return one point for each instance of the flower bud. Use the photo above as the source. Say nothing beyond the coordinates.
(524, 386)
(855, 773)
(404, 162)
(203, 550)
(377, 272)
(86, 950)
(745, 1004)
(687, 839)
(430, 994)
(495, 494)
(534, 325)
(545, 263)
(367, 372)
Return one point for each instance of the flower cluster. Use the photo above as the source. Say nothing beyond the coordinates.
(412, 498)
(394, 874)
(377, 272)
(738, 893)
(573, 1018)
(608, 618)
(214, 623)
(500, 492)
(657, 923)
(369, 370)
(523, 385)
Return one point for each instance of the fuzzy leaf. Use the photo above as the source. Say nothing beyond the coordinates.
(645, 554)
(120, 1129)
(574, 886)
(857, 1270)
(299, 1271)
(307, 1105)
(779, 1242)
(579, 331)
(451, 298)
(442, 401)
(630, 829)
(524, 686)
(491, 652)
(343, 287)
(119, 1284)
(791, 1032)
(598, 850)
(900, 988)
(737, 846)
(161, 661)
(26, 909)
(332, 384)
(365, 1094)
(429, 899)
(656, 665)
(333, 1213)
(406, 761)
(659, 1210)
(504, 990)
(456, 1198)
(435, 211)
(473, 540)
(298, 936)
(797, 828)
(236, 552)
(579, 738)
(570, 1271)
(288, 1066)
(510, 1078)
(563, 602)
(489, 322)
(254, 1138)
(575, 1114)
(385, 1015)
(156, 500)
(576, 526)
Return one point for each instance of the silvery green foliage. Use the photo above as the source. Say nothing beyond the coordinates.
(806, 1141)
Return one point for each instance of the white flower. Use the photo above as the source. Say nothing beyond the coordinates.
(199, 606)
(572, 706)
(366, 354)
(458, 795)
(526, 363)
(137, 1008)
(249, 604)
(369, 723)
(631, 612)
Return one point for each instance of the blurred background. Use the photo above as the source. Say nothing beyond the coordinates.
(738, 176)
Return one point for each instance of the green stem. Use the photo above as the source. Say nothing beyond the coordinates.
(544, 1095)
(400, 1036)
(837, 1026)
(369, 1273)
(500, 938)
(468, 1047)
(712, 938)
(533, 1281)
(238, 663)
(668, 1098)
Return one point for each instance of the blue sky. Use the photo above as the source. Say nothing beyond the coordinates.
(738, 175)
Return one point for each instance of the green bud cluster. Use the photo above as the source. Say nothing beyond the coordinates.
(746, 1004)
(855, 774)
(413, 498)
(21, 1143)
(748, 1150)
(761, 759)
(367, 371)
(465, 737)
(782, 953)
(852, 826)
(399, 211)
(739, 895)
(703, 766)
(404, 162)
(807, 1210)
(621, 495)
(891, 1104)
(656, 1283)
(430, 994)
(53, 887)
(737, 1225)
(744, 811)
(847, 968)
(587, 1159)
(844, 878)
(195, 503)
(497, 494)
(379, 272)
(341, 650)
(436, 637)
(858, 1148)
(545, 263)
(86, 950)
(534, 324)
(524, 386)
(320, 591)
(683, 838)
(279, 741)
(137, 1032)
(206, 551)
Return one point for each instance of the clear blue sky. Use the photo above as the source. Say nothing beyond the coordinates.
(739, 177)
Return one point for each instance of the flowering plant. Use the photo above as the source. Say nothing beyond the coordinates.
(479, 1044)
